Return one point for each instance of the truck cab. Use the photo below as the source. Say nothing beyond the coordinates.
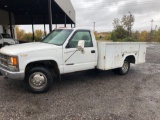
(75, 60)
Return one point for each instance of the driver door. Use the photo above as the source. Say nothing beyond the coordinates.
(77, 60)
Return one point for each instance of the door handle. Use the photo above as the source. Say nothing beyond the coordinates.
(93, 51)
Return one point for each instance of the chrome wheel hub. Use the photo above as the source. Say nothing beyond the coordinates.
(38, 80)
(125, 66)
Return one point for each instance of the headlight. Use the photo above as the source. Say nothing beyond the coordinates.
(13, 63)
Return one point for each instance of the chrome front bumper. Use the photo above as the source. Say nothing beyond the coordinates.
(12, 75)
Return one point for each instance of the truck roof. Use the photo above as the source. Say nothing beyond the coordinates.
(73, 28)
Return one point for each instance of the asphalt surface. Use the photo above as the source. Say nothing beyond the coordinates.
(90, 95)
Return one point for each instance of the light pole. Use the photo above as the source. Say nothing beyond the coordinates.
(151, 29)
(155, 27)
(94, 26)
(152, 24)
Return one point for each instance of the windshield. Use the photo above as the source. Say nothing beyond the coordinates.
(57, 37)
(6, 36)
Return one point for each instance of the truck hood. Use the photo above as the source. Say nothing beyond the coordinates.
(27, 47)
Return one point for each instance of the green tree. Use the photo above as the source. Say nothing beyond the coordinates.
(123, 29)
(108, 36)
(136, 35)
(96, 35)
(27, 37)
(144, 36)
(157, 36)
(20, 33)
(38, 35)
(119, 34)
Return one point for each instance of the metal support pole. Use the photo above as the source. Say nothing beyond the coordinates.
(32, 30)
(71, 26)
(152, 25)
(10, 23)
(155, 32)
(44, 29)
(50, 14)
(155, 28)
(56, 26)
(65, 20)
(44, 26)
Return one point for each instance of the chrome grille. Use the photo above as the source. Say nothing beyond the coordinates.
(3, 60)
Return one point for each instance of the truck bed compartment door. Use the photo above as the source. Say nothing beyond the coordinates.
(142, 53)
(109, 56)
(118, 56)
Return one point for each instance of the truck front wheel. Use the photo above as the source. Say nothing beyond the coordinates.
(39, 79)
(124, 69)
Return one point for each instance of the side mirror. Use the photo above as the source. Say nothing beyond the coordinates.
(80, 46)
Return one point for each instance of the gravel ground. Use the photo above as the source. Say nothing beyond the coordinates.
(90, 95)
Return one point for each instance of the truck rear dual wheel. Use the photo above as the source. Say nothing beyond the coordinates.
(124, 69)
(39, 80)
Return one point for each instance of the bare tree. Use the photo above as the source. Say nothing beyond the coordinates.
(116, 23)
(127, 22)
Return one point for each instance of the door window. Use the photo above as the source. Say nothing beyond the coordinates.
(80, 35)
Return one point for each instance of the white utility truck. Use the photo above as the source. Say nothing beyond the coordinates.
(66, 51)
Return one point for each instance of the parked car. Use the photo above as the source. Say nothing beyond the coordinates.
(66, 51)
(6, 39)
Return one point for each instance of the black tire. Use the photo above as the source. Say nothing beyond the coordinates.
(124, 69)
(115, 71)
(36, 76)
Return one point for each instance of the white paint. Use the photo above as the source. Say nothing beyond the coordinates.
(108, 55)
(34, 52)
(67, 7)
(112, 55)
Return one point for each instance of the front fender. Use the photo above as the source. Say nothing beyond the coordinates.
(25, 59)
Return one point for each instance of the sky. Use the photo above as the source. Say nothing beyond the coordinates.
(103, 12)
